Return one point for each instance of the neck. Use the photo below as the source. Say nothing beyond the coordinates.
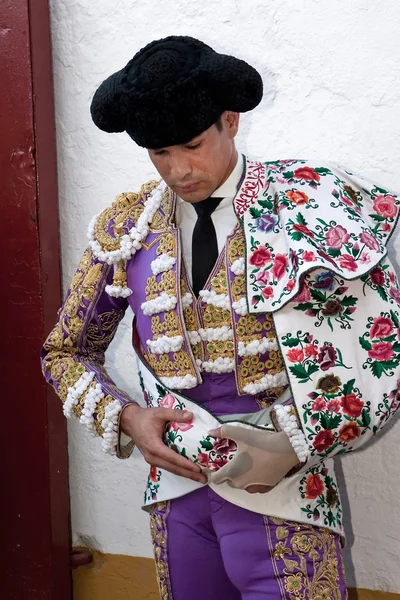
(231, 166)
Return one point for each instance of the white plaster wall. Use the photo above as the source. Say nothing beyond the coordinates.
(332, 76)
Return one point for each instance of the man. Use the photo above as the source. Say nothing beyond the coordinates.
(266, 330)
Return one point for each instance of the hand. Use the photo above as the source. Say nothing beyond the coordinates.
(263, 458)
(146, 427)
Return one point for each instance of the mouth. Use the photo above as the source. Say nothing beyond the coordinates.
(191, 187)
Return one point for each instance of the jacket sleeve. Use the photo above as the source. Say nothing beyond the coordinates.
(73, 355)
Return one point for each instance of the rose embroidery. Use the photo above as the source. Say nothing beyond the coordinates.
(327, 357)
(297, 197)
(382, 327)
(385, 206)
(167, 401)
(352, 405)
(323, 440)
(267, 293)
(319, 487)
(260, 257)
(349, 432)
(181, 426)
(295, 355)
(334, 406)
(307, 173)
(329, 384)
(280, 264)
(381, 351)
(370, 241)
(224, 446)
(262, 277)
(304, 294)
(324, 281)
(266, 223)
(336, 237)
(347, 262)
(314, 487)
(308, 256)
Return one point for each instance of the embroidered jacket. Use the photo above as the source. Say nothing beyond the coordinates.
(303, 294)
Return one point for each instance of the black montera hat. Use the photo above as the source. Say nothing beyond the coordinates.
(172, 90)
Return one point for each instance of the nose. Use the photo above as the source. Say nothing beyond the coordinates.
(179, 168)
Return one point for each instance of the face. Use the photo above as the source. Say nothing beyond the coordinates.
(196, 169)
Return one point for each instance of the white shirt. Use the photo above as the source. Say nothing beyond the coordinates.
(223, 217)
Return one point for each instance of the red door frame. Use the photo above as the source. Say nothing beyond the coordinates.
(35, 540)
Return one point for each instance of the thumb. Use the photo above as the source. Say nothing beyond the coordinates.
(179, 416)
(226, 431)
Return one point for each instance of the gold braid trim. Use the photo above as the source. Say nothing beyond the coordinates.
(296, 547)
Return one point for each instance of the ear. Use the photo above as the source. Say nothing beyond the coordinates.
(231, 122)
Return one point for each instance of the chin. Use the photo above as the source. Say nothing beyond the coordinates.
(192, 197)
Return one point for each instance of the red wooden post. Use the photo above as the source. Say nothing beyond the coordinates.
(35, 504)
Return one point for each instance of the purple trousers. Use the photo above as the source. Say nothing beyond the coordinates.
(209, 549)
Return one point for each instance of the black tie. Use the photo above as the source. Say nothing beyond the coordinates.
(204, 243)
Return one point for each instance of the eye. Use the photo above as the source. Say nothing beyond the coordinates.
(194, 146)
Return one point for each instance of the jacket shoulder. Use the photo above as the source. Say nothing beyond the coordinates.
(107, 228)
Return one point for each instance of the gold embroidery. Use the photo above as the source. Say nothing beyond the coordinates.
(167, 245)
(126, 207)
(100, 335)
(63, 345)
(90, 281)
(220, 349)
(214, 316)
(180, 364)
(159, 532)
(299, 546)
(162, 216)
(166, 284)
(219, 283)
(236, 247)
(169, 325)
(238, 288)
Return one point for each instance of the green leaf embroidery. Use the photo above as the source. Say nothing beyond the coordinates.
(365, 344)
(322, 170)
(161, 391)
(366, 418)
(206, 444)
(331, 422)
(318, 296)
(348, 301)
(300, 219)
(296, 236)
(395, 318)
(311, 369)
(299, 372)
(288, 175)
(291, 342)
(304, 306)
(334, 252)
(348, 387)
(266, 204)
(377, 369)
(382, 293)
(255, 213)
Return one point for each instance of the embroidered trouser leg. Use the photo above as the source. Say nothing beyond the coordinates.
(209, 549)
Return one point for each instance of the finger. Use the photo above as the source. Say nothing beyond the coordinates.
(160, 451)
(179, 416)
(182, 472)
(226, 431)
(217, 433)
